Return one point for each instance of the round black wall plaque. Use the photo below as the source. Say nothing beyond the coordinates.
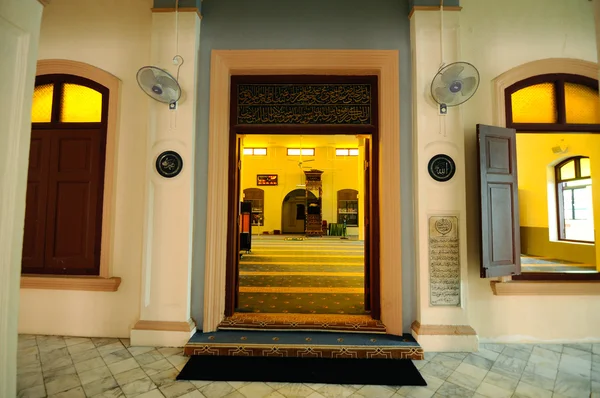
(441, 167)
(169, 164)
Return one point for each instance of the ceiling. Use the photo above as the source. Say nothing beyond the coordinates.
(299, 141)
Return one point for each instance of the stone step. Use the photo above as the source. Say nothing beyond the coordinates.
(304, 344)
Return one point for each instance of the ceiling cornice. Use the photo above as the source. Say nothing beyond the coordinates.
(44, 2)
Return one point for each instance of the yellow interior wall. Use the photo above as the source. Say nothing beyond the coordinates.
(534, 156)
(340, 172)
(535, 160)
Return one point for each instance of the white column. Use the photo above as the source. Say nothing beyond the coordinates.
(167, 258)
(19, 33)
(438, 328)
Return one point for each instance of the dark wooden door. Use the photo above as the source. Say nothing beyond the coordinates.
(64, 202)
(500, 235)
(367, 225)
(234, 225)
(34, 237)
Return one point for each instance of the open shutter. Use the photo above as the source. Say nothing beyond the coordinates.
(500, 236)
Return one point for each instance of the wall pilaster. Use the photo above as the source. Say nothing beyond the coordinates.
(437, 328)
(167, 258)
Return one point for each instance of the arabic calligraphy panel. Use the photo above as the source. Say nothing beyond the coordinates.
(329, 103)
(444, 264)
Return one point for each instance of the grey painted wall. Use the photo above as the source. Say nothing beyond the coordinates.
(310, 24)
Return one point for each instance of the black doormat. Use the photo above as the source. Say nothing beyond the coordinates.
(392, 372)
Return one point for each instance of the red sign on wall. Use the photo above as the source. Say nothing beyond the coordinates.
(266, 179)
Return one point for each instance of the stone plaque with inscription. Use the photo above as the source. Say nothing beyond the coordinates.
(444, 264)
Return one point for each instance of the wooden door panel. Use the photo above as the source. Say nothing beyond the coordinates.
(71, 224)
(74, 197)
(500, 235)
(367, 224)
(74, 155)
(35, 203)
(33, 246)
(500, 197)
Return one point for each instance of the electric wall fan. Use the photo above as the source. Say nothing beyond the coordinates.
(455, 84)
(159, 84)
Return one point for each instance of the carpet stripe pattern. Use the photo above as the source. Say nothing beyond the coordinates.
(310, 276)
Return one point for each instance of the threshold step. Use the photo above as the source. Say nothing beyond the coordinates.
(304, 344)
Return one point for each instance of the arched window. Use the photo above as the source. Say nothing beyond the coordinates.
(574, 194)
(65, 186)
(553, 102)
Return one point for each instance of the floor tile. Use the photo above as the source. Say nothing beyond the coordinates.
(575, 352)
(437, 370)
(492, 391)
(335, 391)
(478, 361)
(123, 366)
(28, 380)
(85, 355)
(502, 381)
(525, 390)
(539, 377)
(135, 351)
(258, 390)
(509, 366)
(100, 386)
(61, 383)
(216, 390)
(94, 374)
(152, 394)
(575, 365)
(140, 386)
(74, 367)
(377, 391)
(446, 361)
(129, 376)
(452, 390)
(89, 364)
(74, 349)
(33, 392)
(76, 392)
(69, 341)
(150, 357)
(572, 385)
(117, 356)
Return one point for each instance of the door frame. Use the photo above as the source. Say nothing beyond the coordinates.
(236, 131)
(371, 259)
(384, 64)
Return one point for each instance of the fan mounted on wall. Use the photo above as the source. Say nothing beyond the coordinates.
(454, 84)
(159, 84)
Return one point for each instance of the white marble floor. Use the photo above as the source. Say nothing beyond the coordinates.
(53, 366)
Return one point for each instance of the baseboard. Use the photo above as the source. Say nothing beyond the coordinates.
(445, 338)
(162, 333)
(521, 339)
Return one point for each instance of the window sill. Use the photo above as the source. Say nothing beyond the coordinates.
(546, 288)
(86, 283)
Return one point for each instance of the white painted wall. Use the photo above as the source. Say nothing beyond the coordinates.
(495, 37)
(113, 35)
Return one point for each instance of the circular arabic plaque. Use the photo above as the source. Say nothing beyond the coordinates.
(169, 164)
(441, 167)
